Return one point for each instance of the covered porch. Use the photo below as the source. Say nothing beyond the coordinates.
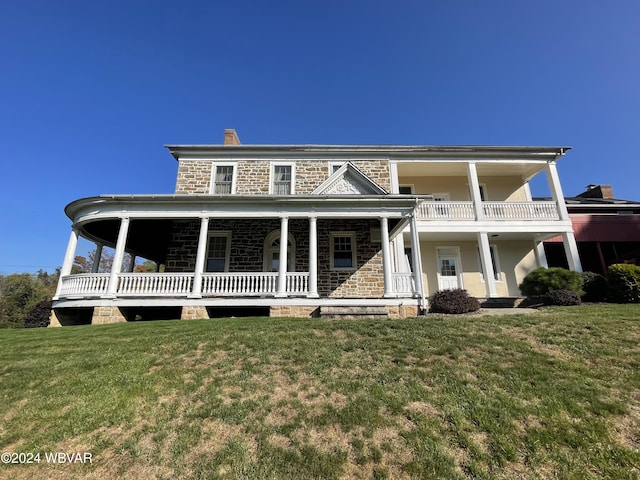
(153, 228)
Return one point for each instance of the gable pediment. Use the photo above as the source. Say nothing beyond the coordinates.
(348, 180)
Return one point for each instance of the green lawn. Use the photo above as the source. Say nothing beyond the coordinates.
(551, 395)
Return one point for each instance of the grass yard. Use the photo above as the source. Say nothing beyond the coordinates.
(552, 395)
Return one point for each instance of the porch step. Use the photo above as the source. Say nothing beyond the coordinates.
(500, 302)
(351, 312)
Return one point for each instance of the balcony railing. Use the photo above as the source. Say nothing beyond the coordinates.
(520, 210)
(446, 211)
(491, 211)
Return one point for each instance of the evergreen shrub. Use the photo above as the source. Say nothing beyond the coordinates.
(453, 301)
(544, 280)
(624, 283)
(594, 286)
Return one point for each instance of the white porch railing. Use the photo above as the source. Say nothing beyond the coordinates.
(87, 284)
(446, 211)
(297, 283)
(491, 210)
(520, 210)
(403, 283)
(156, 284)
(253, 283)
(221, 284)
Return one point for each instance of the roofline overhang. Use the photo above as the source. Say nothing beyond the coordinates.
(193, 206)
(399, 152)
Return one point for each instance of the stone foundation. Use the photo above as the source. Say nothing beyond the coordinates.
(53, 320)
(194, 313)
(105, 315)
(402, 311)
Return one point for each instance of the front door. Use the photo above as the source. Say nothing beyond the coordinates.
(449, 274)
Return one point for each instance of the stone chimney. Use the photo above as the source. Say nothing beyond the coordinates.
(597, 191)
(231, 137)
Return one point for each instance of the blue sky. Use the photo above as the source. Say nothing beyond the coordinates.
(91, 91)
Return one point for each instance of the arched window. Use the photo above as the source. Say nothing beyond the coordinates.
(272, 252)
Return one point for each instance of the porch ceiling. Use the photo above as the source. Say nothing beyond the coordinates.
(459, 169)
(473, 236)
(146, 239)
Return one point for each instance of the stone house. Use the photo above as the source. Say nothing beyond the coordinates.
(305, 230)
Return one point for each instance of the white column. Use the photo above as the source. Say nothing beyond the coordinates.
(118, 257)
(282, 263)
(541, 255)
(201, 254)
(95, 268)
(69, 256)
(313, 258)
(527, 192)
(556, 190)
(417, 259)
(386, 257)
(474, 186)
(487, 265)
(571, 250)
(395, 185)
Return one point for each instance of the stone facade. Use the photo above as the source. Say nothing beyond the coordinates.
(248, 243)
(366, 281)
(254, 176)
(194, 177)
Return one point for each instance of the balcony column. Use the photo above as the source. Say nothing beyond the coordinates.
(571, 250)
(386, 257)
(95, 268)
(282, 261)
(417, 259)
(201, 255)
(69, 256)
(395, 185)
(313, 258)
(474, 186)
(487, 264)
(541, 255)
(121, 243)
(556, 190)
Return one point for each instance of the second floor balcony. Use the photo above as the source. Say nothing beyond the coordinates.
(491, 211)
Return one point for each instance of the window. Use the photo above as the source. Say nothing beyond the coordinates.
(282, 179)
(494, 264)
(272, 252)
(218, 250)
(343, 250)
(334, 167)
(405, 189)
(223, 180)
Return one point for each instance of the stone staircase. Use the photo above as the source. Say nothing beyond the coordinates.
(352, 313)
(500, 302)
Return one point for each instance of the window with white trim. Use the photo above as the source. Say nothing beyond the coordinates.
(282, 179)
(495, 264)
(343, 250)
(218, 252)
(223, 180)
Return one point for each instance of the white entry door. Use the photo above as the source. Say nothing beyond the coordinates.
(449, 274)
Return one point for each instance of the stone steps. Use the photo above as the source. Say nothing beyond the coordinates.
(352, 313)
